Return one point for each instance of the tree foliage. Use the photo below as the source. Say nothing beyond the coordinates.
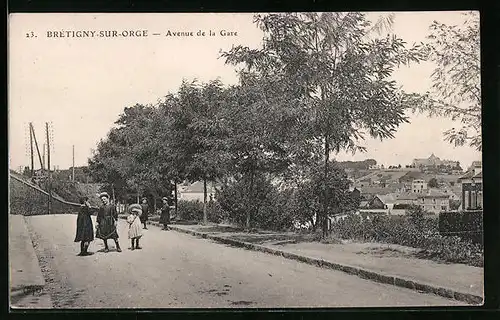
(329, 61)
(433, 183)
(456, 89)
(320, 83)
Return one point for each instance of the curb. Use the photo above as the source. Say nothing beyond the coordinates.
(360, 272)
(34, 288)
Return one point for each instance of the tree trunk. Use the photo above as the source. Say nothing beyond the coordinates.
(250, 201)
(155, 197)
(324, 219)
(175, 198)
(113, 191)
(205, 219)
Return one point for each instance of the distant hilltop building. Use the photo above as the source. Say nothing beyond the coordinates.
(434, 161)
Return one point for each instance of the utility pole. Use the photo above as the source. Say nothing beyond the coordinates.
(32, 159)
(48, 167)
(43, 156)
(73, 163)
(36, 145)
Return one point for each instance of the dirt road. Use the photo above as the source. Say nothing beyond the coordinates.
(175, 270)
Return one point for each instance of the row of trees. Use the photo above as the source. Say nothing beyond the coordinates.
(320, 83)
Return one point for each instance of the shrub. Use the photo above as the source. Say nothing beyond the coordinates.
(270, 206)
(308, 201)
(413, 231)
(215, 213)
(190, 210)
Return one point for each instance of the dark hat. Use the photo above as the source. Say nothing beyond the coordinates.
(165, 198)
(103, 194)
(83, 199)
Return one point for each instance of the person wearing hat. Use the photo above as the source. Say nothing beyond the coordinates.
(134, 230)
(107, 218)
(84, 228)
(165, 214)
(145, 212)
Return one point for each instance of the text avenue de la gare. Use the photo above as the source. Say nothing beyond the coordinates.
(134, 33)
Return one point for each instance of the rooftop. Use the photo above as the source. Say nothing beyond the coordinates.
(434, 193)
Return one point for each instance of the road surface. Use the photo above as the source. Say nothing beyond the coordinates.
(175, 270)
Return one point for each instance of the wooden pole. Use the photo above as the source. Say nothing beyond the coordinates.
(32, 158)
(43, 156)
(175, 200)
(36, 146)
(73, 178)
(205, 218)
(48, 167)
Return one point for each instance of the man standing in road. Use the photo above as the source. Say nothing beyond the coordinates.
(145, 212)
(107, 218)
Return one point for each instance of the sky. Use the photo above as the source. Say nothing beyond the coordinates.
(81, 85)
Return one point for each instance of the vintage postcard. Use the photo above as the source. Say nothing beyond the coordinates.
(245, 160)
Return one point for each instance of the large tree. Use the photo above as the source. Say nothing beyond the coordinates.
(343, 74)
(123, 160)
(196, 132)
(456, 89)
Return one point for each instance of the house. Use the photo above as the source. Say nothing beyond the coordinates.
(434, 201)
(472, 187)
(369, 192)
(356, 193)
(194, 191)
(455, 193)
(419, 186)
(433, 161)
(364, 204)
(385, 201)
(406, 198)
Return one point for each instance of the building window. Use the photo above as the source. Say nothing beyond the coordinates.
(443, 208)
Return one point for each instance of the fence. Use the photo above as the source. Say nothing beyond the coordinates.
(28, 199)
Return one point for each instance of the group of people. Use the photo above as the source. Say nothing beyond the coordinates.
(107, 219)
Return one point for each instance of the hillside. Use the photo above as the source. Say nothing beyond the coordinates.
(389, 175)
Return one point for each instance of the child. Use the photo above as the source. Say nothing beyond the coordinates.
(135, 226)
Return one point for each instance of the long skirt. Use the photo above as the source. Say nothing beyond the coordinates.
(84, 228)
(165, 218)
(107, 229)
(144, 217)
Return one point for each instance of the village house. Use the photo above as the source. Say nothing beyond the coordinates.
(369, 192)
(419, 186)
(472, 187)
(194, 191)
(434, 201)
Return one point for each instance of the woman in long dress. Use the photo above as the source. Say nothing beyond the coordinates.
(165, 214)
(84, 227)
(107, 218)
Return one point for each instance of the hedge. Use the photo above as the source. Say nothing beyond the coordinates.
(467, 225)
(421, 233)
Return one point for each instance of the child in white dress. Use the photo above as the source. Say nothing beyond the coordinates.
(135, 226)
